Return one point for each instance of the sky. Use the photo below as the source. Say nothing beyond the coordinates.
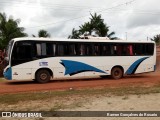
(129, 19)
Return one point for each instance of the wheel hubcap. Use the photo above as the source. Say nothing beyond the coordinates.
(116, 73)
(43, 76)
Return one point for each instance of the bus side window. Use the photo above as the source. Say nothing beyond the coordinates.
(54, 49)
(149, 49)
(39, 50)
(44, 49)
(72, 50)
(130, 50)
(88, 48)
(127, 50)
(49, 49)
(106, 50)
(96, 50)
(60, 50)
(139, 49)
(82, 49)
(119, 50)
(112, 49)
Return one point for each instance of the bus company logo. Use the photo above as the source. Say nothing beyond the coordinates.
(6, 114)
(43, 63)
(21, 114)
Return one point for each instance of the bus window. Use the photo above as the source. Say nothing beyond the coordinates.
(130, 50)
(54, 49)
(88, 50)
(72, 50)
(38, 46)
(96, 50)
(127, 50)
(82, 49)
(60, 50)
(41, 49)
(43, 45)
(49, 49)
(149, 49)
(139, 49)
(21, 53)
(105, 50)
(119, 49)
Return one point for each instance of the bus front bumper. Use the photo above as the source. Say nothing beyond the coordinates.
(8, 73)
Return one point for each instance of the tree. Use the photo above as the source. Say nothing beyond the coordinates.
(156, 38)
(95, 26)
(42, 33)
(9, 29)
(75, 34)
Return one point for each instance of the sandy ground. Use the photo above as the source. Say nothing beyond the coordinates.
(149, 102)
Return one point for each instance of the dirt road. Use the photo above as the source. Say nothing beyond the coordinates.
(136, 80)
(148, 79)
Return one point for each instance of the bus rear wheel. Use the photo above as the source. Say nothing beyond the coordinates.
(117, 73)
(43, 76)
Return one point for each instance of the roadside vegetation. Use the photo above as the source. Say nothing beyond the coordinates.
(2, 79)
(33, 96)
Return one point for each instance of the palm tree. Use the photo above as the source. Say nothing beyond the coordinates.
(42, 33)
(9, 29)
(95, 25)
(75, 34)
(156, 39)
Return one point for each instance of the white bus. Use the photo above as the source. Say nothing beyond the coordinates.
(43, 59)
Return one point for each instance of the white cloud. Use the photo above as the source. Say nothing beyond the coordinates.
(139, 19)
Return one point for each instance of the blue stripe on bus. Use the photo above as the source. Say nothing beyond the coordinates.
(74, 67)
(134, 66)
(8, 73)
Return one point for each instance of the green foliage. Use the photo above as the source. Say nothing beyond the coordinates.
(42, 33)
(95, 25)
(9, 29)
(156, 39)
(75, 34)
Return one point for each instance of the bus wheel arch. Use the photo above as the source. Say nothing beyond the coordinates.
(117, 72)
(43, 75)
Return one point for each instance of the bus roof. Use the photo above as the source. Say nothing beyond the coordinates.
(80, 40)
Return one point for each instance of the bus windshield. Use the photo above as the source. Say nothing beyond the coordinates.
(8, 52)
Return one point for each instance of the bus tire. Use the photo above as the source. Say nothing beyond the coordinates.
(43, 76)
(116, 73)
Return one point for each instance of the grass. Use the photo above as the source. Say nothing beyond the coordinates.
(31, 96)
(57, 107)
(2, 79)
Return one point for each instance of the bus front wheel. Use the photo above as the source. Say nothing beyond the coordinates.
(117, 73)
(43, 76)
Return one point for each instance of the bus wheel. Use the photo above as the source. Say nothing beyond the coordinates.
(117, 73)
(43, 76)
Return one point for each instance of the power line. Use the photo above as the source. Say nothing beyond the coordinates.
(44, 7)
(122, 4)
(136, 11)
(47, 5)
